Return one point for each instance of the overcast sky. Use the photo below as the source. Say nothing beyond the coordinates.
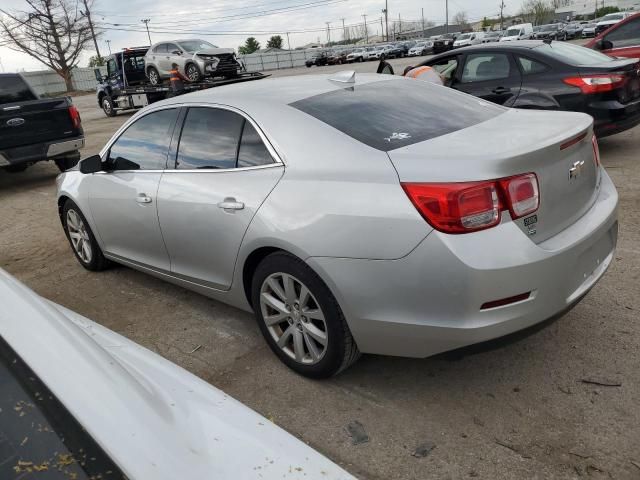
(233, 16)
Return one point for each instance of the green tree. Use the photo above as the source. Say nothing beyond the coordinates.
(250, 46)
(601, 12)
(96, 61)
(485, 23)
(275, 42)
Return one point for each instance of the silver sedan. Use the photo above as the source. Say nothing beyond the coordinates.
(378, 215)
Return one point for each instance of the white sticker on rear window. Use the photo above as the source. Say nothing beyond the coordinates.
(398, 136)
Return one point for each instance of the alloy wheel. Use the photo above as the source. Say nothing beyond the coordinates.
(79, 236)
(106, 106)
(192, 73)
(294, 318)
(153, 77)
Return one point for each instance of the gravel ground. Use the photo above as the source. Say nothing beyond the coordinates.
(519, 409)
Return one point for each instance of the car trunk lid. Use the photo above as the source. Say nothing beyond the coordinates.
(556, 146)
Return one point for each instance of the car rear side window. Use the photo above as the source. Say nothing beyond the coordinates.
(390, 114)
(253, 151)
(530, 67)
(626, 35)
(162, 48)
(209, 139)
(145, 144)
(481, 67)
(14, 89)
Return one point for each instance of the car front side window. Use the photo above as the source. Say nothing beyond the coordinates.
(144, 145)
(209, 139)
(627, 35)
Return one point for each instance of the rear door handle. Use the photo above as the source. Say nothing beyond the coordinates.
(143, 198)
(231, 204)
(500, 90)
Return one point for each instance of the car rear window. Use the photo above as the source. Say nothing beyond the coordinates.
(390, 114)
(573, 54)
(14, 89)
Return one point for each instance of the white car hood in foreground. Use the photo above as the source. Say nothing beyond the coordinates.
(155, 420)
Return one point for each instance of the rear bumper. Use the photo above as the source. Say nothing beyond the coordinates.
(40, 151)
(430, 301)
(614, 117)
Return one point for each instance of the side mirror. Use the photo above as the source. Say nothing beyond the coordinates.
(384, 67)
(98, 74)
(176, 52)
(91, 164)
(603, 45)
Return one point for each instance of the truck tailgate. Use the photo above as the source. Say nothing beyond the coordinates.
(35, 122)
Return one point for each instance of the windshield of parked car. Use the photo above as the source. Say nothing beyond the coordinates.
(39, 438)
(548, 28)
(573, 54)
(612, 16)
(418, 45)
(397, 112)
(513, 32)
(192, 46)
(465, 36)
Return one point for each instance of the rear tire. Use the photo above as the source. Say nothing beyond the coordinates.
(66, 163)
(307, 329)
(81, 238)
(108, 106)
(153, 76)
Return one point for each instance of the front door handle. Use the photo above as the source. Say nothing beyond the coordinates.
(500, 90)
(143, 198)
(231, 204)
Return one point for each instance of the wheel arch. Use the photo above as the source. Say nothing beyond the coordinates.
(251, 264)
(62, 199)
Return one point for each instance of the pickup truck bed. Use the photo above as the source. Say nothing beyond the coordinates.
(34, 129)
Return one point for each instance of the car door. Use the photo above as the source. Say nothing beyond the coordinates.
(224, 170)
(492, 76)
(173, 57)
(158, 57)
(625, 39)
(122, 199)
(114, 75)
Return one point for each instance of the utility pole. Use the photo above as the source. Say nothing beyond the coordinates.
(344, 31)
(502, 5)
(422, 22)
(386, 17)
(399, 26)
(381, 28)
(366, 30)
(289, 47)
(146, 23)
(87, 14)
(446, 22)
(328, 33)
(109, 45)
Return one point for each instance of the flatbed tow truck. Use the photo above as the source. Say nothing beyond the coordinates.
(126, 87)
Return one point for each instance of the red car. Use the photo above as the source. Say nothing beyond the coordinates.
(621, 40)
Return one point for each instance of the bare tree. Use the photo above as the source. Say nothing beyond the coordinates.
(461, 19)
(53, 32)
(537, 11)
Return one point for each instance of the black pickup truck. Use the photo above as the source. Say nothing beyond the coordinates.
(34, 129)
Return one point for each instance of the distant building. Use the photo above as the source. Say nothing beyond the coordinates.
(430, 31)
(574, 8)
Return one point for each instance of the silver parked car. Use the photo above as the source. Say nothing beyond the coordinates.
(195, 58)
(427, 220)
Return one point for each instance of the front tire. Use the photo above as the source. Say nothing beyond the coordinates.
(108, 107)
(193, 73)
(81, 238)
(300, 318)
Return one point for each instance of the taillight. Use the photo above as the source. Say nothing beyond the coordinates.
(596, 150)
(596, 83)
(75, 116)
(471, 206)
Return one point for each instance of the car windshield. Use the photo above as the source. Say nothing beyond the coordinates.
(512, 32)
(191, 46)
(573, 54)
(417, 45)
(398, 113)
(612, 16)
(549, 28)
(465, 36)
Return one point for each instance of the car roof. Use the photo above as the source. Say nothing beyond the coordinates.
(521, 45)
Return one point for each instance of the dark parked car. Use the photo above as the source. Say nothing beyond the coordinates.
(444, 43)
(552, 31)
(548, 76)
(621, 40)
(34, 129)
(571, 31)
(318, 59)
(337, 58)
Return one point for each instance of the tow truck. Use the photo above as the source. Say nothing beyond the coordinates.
(126, 87)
